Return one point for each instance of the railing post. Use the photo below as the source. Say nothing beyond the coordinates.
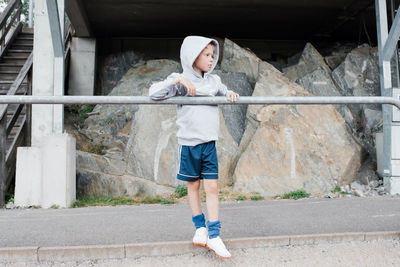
(28, 112)
(2, 45)
(3, 151)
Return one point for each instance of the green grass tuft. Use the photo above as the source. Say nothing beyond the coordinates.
(241, 198)
(257, 197)
(181, 191)
(295, 195)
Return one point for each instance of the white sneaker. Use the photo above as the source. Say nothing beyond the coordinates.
(218, 246)
(200, 237)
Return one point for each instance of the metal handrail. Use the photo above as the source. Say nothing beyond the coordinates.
(13, 5)
(219, 100)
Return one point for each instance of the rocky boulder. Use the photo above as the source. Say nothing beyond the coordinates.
(293, 147)
(235, 115)
(110, 125)
(314, 75)
(237, 59)
(358, 75)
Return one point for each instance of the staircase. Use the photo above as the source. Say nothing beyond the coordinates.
(16, 57)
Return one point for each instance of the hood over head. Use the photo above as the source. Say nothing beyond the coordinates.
(190, 49)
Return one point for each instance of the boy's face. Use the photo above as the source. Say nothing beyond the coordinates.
(204, 61)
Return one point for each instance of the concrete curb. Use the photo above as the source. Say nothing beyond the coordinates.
(104, 252)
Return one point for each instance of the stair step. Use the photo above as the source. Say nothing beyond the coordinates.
(9, 72)
(28, 38)
(15, 68)
(22, 46)
(13, 60)
(16, 43)
(8, 81)
(20, 91)
(4, 89)
(8, 75)
(16, 51)
(15, 57)
(11, 65)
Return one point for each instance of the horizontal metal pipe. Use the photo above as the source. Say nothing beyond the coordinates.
(219, 100)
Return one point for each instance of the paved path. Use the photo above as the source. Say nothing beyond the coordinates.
(164, 223)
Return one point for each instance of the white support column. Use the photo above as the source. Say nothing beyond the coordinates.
(48, 78)
(83, 64)
(391, 129)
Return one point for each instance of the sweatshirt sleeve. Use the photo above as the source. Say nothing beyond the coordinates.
(222, 89)
(167, 88)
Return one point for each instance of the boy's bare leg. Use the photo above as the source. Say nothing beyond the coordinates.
(193, 195)
(211, 188)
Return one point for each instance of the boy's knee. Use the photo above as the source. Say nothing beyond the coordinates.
(195, 185)
(211, 186)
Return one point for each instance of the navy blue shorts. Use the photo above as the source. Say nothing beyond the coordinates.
(197, 162)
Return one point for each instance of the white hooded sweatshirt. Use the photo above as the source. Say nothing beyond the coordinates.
(196, 123)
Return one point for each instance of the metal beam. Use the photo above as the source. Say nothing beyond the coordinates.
(219, 100)
(77, 15)
(386, 86)
(56, 33)
(392, 39)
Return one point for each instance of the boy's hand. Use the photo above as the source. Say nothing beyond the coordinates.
(233, 97)
(188, 84)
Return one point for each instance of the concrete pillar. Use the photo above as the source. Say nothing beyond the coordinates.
(83, 64)
(46, 175)
(391, 127)
(28, 187)
(46, 119)
(58, 171)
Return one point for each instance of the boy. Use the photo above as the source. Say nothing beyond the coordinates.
(198, 127)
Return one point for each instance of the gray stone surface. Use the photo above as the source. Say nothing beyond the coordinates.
(113, 67)
(371, 119)
(358, 75)
(310, 60)
(90, 183)
(237, 59)
(314, 75)
(235, 115)
(334, 61)
(110, 125)
(367, 173)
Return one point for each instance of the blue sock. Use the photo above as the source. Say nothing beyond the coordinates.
(199, 221)
(213, 228)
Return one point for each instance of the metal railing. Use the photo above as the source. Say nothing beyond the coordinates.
(219, 100)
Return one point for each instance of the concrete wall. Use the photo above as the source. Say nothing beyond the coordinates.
(83, 66)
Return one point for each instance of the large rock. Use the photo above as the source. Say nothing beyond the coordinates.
(110, 125)
(237, 59)
(111, 163)
(294, 147)
(235, 115)
(314, 75)
(152, 148)
(106, 175)
(358, 75)
(309, 61)
(90, 183)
